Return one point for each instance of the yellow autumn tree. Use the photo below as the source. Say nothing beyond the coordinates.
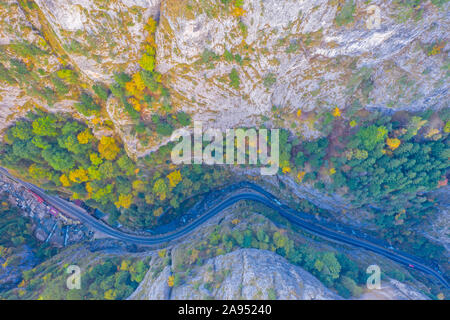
(130, 88)
(162, 253)
(38, 172)
(158, 212)
(150, 45)
(89, 189)
(171, 281)
(135, 103)
(151, 25)
(94, 173)
(138, 82)
(110, 294)
(125, 265)
(124, 201)
(136, 86)
(336, 112)
(85, 136)
(238, 12)
(22, 284)
(108, 148)
(147, 62)
(96, 121)
(447, 127)
(432, 132)
(138, 185)
(437, 49)
(79, 175)
(95, 159)
(393, 143)
(300, 175)
(64, 180)
(174, 178)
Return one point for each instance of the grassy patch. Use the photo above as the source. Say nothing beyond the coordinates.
(345, 14)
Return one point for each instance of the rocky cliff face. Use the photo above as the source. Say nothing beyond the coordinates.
(95, 38)
(307, 55)
(256, 274)
(244, 274)
(16, 28)
(296, 56)
(101, 37)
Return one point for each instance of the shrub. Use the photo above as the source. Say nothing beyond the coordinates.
(19, 67)
(164, 129)
(87, 106)
(5, 76)
(228, 56)
(67, 75)
(239, 3)
(209, 56)
(345, 15)
(59, 85)
(101, 91)
(149, 80)
(269, 80)
(75, 47)
(131, 111)
(147, 62)
(122, 78)
(24, 49)
(234, 79)
(183, 118)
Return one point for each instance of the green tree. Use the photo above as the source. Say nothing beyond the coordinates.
(147, 62)
(22, 130)
(58, 159)
(345, 15)
(45, 126)
(87, 106)
(235, 82)
(160, 188)
(101, 91)
(39, 142)
(126, 165)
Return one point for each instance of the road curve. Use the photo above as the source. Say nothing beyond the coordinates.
(254, 193)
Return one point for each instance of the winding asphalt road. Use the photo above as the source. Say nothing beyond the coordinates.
(252, 193)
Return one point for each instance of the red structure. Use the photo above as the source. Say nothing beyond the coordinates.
(39, 199)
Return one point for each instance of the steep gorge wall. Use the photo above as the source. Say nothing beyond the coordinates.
(316, 64)
(288, 54)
